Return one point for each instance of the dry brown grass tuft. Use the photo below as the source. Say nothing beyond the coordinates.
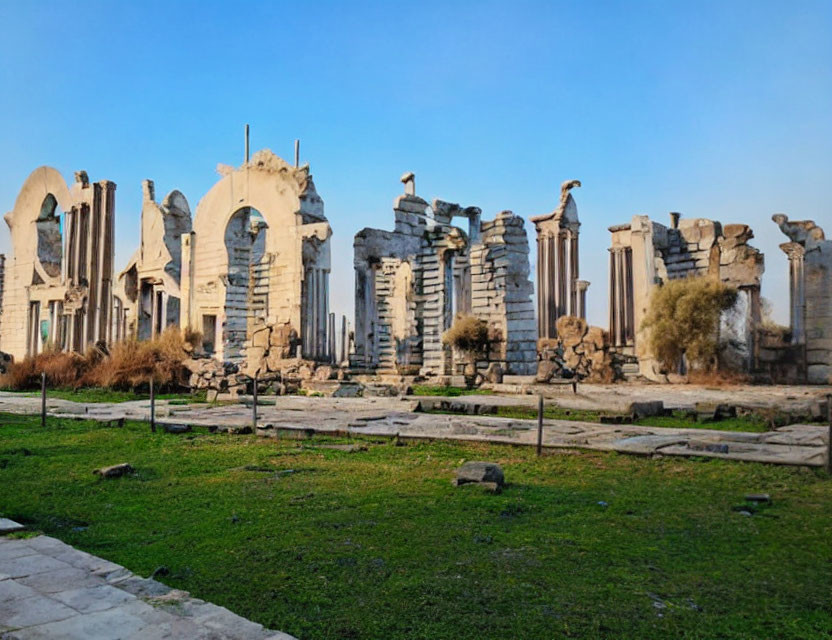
(62, 370)
(129, 365)
(192, 337)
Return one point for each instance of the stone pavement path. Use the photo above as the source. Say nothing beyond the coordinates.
(52, 591)
(797, 444)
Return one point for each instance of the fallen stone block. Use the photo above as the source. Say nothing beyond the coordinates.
(176, 428)
(479, 472)
(115, 471)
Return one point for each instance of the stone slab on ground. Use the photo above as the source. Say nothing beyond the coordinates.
(52, 591)
(9, 526)
(798, 444)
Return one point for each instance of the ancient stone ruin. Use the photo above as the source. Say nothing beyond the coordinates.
(58, 286)
(410, 284)
(559, 290)
(149, 285)
(259, 256)
(250, 274)
(645, 253)
(810, 299)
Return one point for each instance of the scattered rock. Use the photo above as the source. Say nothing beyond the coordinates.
(349, 448)
(494, 373)
(479, 472)
(177, 428)
(159, 571)
(758, 497)
(115, 471)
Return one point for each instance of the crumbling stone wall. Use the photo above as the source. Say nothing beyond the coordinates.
(645, 253)
(579, 351)
(410, 284)
(810, 299)
(58, 286)
(258, 256)
(149, 286)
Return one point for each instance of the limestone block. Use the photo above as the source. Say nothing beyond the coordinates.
(571, 330)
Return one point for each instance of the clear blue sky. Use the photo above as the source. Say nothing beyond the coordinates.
(715, 109)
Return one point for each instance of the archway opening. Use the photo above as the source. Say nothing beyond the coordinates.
(50, 236)
(247, 287)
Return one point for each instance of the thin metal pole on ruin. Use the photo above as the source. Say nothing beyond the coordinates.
(254, 405)
(43, 399)
(152, 406)
(540, 424)
(829, 437)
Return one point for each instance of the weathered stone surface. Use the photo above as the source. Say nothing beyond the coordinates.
(39, 274)
(480, 472)
(407, 282)
(44, 597)
(646, 253)
(571, 330)
(810, 313)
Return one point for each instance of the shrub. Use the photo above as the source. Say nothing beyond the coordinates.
(467, 334)
(683, 319)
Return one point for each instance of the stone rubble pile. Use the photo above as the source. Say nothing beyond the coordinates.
(579, 351)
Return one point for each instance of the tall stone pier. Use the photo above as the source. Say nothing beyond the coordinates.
(559, 290)
(810, 299)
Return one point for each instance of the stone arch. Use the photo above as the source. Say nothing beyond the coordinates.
(50, 238)
(247, 278)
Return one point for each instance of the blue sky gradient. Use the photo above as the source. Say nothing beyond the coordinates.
(715, 109)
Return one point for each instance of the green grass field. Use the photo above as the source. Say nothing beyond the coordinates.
(322, 543)
(96, 394)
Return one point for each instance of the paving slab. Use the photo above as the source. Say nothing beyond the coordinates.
(90, 598)
(9, 526)
(301, 417)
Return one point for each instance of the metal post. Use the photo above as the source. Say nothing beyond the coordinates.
(152, 406)
(43, 399)
(540, 424)
(254, 406)
(247, 148)
(829, 438)
(297, 153)
(574, 386)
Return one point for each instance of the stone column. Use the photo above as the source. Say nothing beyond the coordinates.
(567, 276)
(551, 292)
(797, 291)
(580, 298)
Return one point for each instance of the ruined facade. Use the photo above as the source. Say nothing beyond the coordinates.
(645, 253)
(149, 286)
(560, 292)
(411, 282)
(258, 256)
(810, 300)
(58, 284)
